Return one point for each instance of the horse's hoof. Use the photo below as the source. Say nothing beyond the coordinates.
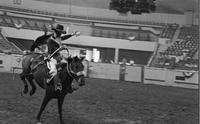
(25, 90)
(62, 122)
(32, 92)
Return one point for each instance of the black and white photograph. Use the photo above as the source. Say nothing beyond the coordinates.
(99, 61)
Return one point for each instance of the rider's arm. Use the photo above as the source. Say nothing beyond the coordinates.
(42, 39)
(66, 36)
(76, 33)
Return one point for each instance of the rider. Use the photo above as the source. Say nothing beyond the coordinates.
(53, 43)
(40, 44)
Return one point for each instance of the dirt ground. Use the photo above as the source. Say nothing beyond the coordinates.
(101, 102)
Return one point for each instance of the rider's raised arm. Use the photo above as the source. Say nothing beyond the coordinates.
(76, 33)
(66, 36)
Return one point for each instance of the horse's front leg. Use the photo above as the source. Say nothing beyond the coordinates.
(30, 79)
(44, 103)
(23, 78)
(60, 103)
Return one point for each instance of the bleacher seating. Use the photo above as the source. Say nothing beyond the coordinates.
(171, 63)
(178, 55)
(178, 48)
(192, 32)
(187, 42)
(26, 23)
(54, 14)
(169, 31)
(181, 53)
(8, 47)
(23, 44)
(121, 33)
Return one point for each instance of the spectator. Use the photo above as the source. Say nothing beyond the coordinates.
(99, 60)
(132, 62)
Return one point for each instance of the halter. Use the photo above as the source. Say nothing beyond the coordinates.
(70, 71)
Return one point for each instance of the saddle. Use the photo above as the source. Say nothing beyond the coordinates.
(36, 61)
(39, 59)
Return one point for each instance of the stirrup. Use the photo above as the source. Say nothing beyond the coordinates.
(49, 80)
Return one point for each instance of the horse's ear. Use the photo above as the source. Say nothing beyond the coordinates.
(76, 58)
(63, 65)
(69, 59)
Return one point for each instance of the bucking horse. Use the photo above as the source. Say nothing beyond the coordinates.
(34, 69)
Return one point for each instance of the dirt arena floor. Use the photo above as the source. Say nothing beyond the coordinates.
(102, 102)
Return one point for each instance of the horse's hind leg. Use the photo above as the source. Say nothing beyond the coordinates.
(44, 103)
(23, 78)
(60, 103)
(30, 79)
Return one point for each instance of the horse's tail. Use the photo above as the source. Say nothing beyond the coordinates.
(22, 76)
(26, 62)
(27, 74)
(26, 65)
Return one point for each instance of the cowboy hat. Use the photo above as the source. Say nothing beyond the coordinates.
(59, 28)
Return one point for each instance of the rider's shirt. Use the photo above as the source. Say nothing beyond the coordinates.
(53, 44)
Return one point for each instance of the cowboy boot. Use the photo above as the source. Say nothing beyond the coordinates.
(49, 78)
(58, 85)
(70, 89)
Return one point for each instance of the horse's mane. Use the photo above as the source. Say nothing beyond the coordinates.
(70, 60)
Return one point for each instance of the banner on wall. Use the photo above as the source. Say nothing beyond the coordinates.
(2, 61)
(17, 61)
(190, 77)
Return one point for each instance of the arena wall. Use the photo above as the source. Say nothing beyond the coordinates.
(136, 73)
(166, 77)
(112, 71)
(104, 71)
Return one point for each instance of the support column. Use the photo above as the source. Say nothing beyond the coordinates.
(116, 54)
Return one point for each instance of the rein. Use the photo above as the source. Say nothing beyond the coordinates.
(42, 62)
(70, 71)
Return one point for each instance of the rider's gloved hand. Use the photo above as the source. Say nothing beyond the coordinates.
(46, 59)
(76, 33)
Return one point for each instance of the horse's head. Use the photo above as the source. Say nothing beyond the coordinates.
(75, 69)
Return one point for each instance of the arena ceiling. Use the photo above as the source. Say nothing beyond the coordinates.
(163, 6)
